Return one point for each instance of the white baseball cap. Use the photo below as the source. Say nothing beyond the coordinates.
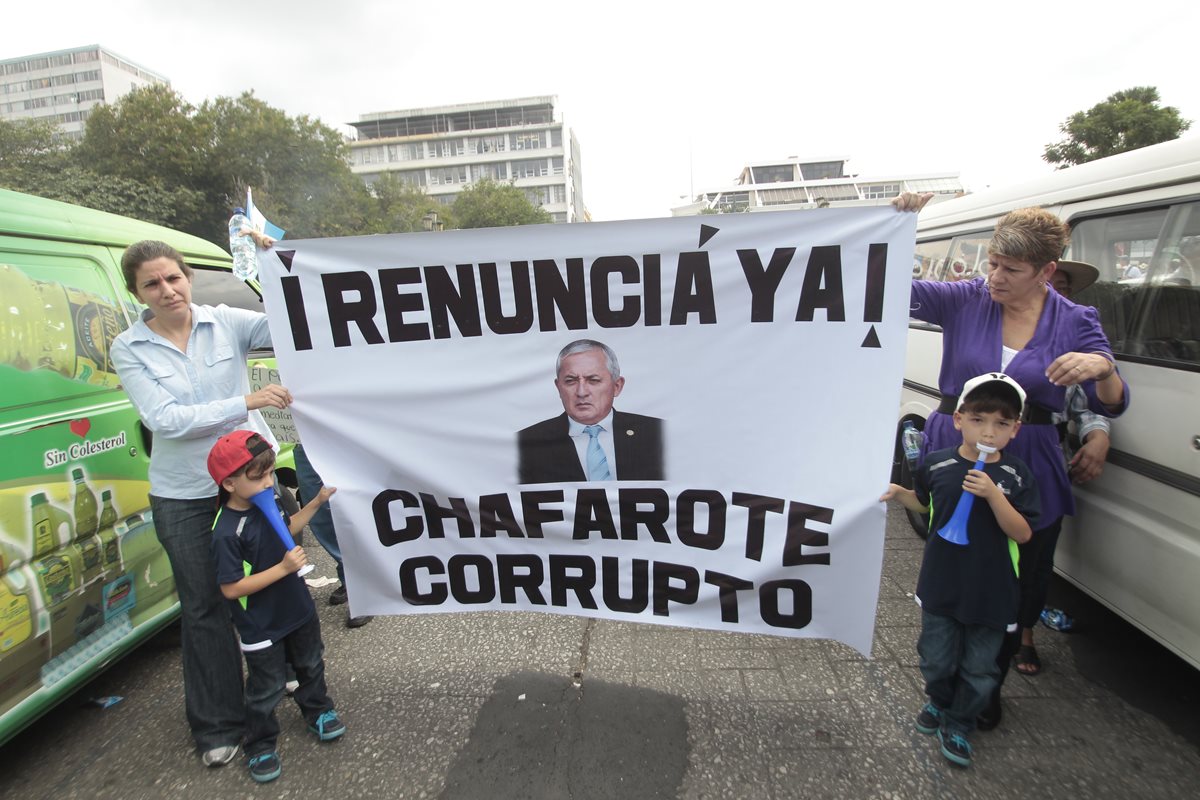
(992, 377)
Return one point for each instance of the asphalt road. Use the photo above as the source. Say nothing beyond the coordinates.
(499, 705)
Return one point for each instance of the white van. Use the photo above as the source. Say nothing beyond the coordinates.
(1134, 543)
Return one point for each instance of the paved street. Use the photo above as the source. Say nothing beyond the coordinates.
(538, 706)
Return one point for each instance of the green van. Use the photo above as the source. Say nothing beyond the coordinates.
(83, 578)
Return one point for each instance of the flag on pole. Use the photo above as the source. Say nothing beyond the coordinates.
(258, 221)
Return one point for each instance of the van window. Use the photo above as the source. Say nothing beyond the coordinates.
(1147, 295)
(212, 287)
(58, 320)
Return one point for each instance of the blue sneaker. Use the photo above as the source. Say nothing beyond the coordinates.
(929, 719)
(265, 767)
(956, 748)
(328, 727)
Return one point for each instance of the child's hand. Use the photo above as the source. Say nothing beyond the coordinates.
(893, 490)
(324, 495)
(294, 559)
(979, 484)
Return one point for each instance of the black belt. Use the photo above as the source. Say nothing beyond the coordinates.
(1032, 415)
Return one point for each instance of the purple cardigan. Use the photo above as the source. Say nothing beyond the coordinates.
(972, 344)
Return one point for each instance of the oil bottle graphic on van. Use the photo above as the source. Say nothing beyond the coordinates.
(46, 325)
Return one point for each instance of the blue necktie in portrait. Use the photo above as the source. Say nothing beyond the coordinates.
(597, 462)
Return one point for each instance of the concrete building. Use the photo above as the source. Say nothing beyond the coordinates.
(65, 85)
(443, 149)
(814, 183)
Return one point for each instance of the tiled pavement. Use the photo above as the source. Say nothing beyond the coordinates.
(537, 706)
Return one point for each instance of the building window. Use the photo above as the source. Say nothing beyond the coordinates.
(559, 216)
(448, 175)
(496, 172)
(478, 145)
(527, 141)
(833, 192)
(85, 56)
(39, 63)
(819, 170)
(445, 148)
(782, 173)
(16, 68)
(529, 169)
(556, 137)
(558, 165)
(778, 197)
(61, 60)
(536, 195)
(558, 193)
(880, 191)
(734, 201)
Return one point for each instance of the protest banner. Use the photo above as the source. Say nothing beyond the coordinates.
(761, 358)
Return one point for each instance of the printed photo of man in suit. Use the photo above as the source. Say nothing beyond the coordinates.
(590, 440)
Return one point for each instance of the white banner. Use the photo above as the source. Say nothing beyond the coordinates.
(760, 356)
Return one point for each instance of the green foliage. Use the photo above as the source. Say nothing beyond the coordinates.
(1127, 120)
(488, 204)
(155, 157)
(401, 208)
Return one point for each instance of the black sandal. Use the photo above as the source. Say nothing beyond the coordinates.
(1027, 661)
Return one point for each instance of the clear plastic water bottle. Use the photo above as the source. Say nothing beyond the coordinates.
(1057, 619)
(910, 437)
(242, 248)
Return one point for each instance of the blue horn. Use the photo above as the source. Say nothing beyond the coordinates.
(955, 531)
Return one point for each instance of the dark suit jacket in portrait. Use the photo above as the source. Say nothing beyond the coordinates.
(548, 455)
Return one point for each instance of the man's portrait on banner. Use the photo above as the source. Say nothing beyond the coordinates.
(590, 440)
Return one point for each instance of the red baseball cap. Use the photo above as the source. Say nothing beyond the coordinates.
(234, 451)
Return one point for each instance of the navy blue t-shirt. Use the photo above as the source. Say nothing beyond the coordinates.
(975, 583)
(244, 543)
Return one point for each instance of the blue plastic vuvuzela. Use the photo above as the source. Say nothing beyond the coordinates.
(264, 501)
(955, 531)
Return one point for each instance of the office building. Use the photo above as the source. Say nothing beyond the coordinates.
(65, 85)
(444, 149)
(816, 183)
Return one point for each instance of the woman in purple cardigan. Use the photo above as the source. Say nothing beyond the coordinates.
(1012, 322)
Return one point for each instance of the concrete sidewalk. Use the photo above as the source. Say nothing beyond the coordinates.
(504, 705)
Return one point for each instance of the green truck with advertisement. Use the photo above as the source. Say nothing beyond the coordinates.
(83, 578)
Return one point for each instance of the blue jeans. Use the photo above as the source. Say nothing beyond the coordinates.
(959, 665)
(266, 673)
(321, 523)
(212, 666)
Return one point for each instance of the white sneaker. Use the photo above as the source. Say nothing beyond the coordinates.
(220, 756)
(290, 687)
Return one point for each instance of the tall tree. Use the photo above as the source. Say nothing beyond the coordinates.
(488, 204)
(297, 167)
(35, 159)
(1127, 120)
(401, 208)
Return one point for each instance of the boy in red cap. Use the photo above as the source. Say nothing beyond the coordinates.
(276, 619)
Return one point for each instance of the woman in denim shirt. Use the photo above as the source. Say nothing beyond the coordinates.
(184, 368)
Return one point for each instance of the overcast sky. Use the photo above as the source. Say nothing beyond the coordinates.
(666, 97)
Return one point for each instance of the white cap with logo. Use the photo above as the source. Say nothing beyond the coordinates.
(992, 377)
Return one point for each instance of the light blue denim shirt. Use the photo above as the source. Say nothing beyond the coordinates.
(189, 400)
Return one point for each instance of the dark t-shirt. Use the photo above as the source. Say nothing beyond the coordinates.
(243, 544)
(975, 583)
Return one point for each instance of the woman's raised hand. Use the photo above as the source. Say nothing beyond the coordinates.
(271, 395)
(911, 201)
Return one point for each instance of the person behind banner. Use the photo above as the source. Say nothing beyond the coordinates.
(276, 619)
(590, 440)
(968, 592)
(184, 369)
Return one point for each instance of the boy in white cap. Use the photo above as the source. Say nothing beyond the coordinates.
(968, 591)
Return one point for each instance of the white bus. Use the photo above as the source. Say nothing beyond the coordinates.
(1134, 543)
